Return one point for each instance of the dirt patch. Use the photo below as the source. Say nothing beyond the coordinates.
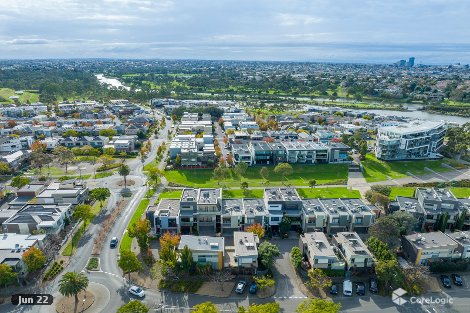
(214, 289)
(67, 304)
(431, 284)
(130, 182)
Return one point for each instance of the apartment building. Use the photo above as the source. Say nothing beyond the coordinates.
(422, 249)
(165, 217)
(193, 151)
(410, 141)
(353, 250)
(205, 249)
(318, 251)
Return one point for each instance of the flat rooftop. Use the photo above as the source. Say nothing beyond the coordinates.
(168, 208)
(412, 127)
(208, 195)
(432, 240)
(245, 243)
(202, 243)
(318, 244)
(189, 195)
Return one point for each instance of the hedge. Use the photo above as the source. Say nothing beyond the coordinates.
(448, 266)
(55, 269)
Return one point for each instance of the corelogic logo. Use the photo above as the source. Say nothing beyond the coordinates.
(397, 296)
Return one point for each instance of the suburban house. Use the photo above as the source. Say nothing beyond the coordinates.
(205, 250)
(463, 241)
(318, 251)
(246, 250)
(353, 250)
(421, 249)
(74, 192)
(12, 247)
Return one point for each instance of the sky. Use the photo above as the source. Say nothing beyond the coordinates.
(370, 31)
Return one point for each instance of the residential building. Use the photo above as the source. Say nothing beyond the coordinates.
(16, 159)
(165, 217)
(318, 251)
(246, 250)
(74, 192)
(12, 247)
(410, 141)
(205, 250)
(421, 249)
(462, 238)
(353, 250)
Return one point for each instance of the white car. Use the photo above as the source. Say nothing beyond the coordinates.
(137, 291)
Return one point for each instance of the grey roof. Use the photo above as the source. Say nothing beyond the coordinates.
(254, 207)
(168, 207)
(410, 205)
(318, 244)
(432, 240)
(357, 206)
(209, 195)
(313, 206)
(202, 243)
(281, 194)
(189, 194)
(351, 242)
(436, 194)
(232, 206)
(245, 243)
(461, 237)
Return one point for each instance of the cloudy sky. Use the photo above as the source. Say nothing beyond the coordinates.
(434, 31)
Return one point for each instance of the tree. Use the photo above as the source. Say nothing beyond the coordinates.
(39, 159)
(377, 198)
(4, 168)
(442, 220)
(168, 245)
(406, 221)
(385, 190)
(34, 259)
(256, 229)
(205, 307)
(129, 263)
(387, 230)
(312, 183)
(19, 181)
(389, 272)
(140, 230)
(133, 306)
(267, 252)
(272, 307)
(71, 284)
(108, 132)
(109, 151)
(7, 275)
(220, 173)
(38, 146)
(318, 279)
(186, 259)
(124, 170)
(83, 211)
(296, 257)
(64, 155)
(285, 225)
(362, 148)
(284, 169)
(106, 160)
(264, 173)
(318, 306)
(154, 174)
(100, 194)
(263, 282)
(241, 169)
(379, 249)
(461, 219)
(70, 133)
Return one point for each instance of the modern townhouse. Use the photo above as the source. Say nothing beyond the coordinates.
(410, 141)
(17, 159)
(13, 246)
(10, 144)
(242, 153)
(237, 214)
(280, 202)
(246, 251)
(305, 152)
(248, 125)
(193, 151)
(462, 238)
(339, 218)
(205, 250)
(362, 215)
(209, 211)
(314, 216)
(165, 217)
(353, 250)
(422, 249)
(25, 194)
(318, 251)
(74, 192)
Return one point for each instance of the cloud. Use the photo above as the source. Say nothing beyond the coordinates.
(107, 18)
(28, 41)
(286, 19)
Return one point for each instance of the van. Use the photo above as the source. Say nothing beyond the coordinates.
(347, 288)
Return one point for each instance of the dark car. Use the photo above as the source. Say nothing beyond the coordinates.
(445, 281)
(334, 289)
(240, 286)
(457, 280)
(113, 242)
(360, 289)
(373, 285)
(253, 288)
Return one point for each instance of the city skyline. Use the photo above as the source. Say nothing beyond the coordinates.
(365, 32)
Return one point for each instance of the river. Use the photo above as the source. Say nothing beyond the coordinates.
(111, 82)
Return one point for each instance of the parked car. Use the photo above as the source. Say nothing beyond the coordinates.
(253, 288)
(334, 289)
(373, 285)
(360, 289)
(457, 279)
(113, 242)
(347, 288)
(445, 281)
(240, 286)
(137, 291)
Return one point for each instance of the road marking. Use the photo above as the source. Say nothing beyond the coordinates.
(292, 297)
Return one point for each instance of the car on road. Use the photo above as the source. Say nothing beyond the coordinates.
(240, 287)
(360, 289)
(253, 288)
(137, 291)
(113, 242)
(457, 279)
(347, 288)
(445, 280)
(334, 289)
(373, 285)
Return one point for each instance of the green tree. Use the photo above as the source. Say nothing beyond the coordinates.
(83, 211)
(318, 306)
(362, 148)
(4, 168)
(205, 307)
(406, 222)
(100, 194)
(267, 253)
(285, 225)
(154, 175)
(186, 259)
(64, 155)
(129, 263)
(178, 160)
(124, 170)
(140, 230)
(442, 222)
(264, 173)
(19, 181)
(256, 229)
(220, 173)
(34, 259)
(7, 275)
(263, 282)
(71, 284)
(312, 183)
(39, 159)
(387, 230)
(109, 151)
(389, 272)
(461, 220)
(133, 306)
(108, 132)
(379, 249)
(70, 133)
(385, 190)
(272, 307)
(318, 279)
(284, 169)
(241, 169)
(296, 257)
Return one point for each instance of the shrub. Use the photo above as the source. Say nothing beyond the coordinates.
(93, 264)
(334, 273)
(296, 257)
(449, 266)
(52, 272)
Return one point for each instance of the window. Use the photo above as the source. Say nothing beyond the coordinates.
(429, 216)
(335, 220)
(172, 222)
(358, 220)
(274, 219)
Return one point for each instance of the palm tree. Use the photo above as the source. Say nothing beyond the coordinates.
(71, 284)
(124, 171)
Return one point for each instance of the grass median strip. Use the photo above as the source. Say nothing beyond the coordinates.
(126, 242)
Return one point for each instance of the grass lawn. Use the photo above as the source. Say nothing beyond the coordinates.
(170, 194)
(402, 191)
(238, 193)
(68, 251)
(126, 241)
(322, 173)
(103, 174)
(27, 95)
(333, 192)
(460, 192)
(377, 170)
